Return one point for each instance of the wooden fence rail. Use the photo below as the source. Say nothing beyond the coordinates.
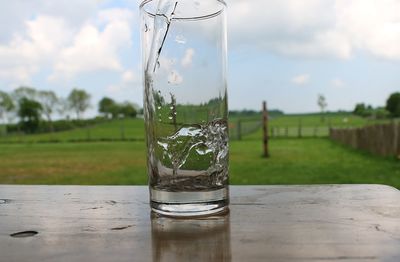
(383, 140)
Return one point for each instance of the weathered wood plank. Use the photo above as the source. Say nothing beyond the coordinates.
(266, 223)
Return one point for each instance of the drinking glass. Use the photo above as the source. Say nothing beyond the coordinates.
(185, 105)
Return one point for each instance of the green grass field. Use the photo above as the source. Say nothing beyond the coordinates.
(293, 161)
(116, 129)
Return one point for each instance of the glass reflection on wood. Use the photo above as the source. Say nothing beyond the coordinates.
(201, 239)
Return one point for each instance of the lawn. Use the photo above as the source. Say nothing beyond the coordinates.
(116, 129)
(293, 161)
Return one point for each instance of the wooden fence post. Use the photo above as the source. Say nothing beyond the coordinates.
(265, 129)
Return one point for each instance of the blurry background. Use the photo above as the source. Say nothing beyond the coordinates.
(71, 91)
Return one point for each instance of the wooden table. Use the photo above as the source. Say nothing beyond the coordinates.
(266, 223)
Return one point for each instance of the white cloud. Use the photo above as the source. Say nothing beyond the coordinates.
(301, 79)
(128, 88)
(129, 81)
(371, 25)
(129, 77)
(337, 82)
(25, 53)
(115, 15)
(93, 49)
(62, 45)
(314, 28)
(188, 57)
(175, 78)
(14, 14)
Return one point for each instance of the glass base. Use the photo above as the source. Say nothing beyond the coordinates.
(189, 204)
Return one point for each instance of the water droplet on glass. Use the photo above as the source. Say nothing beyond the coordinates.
(146, 28)
(180, 39)
(158, 107)
(171, 107)
(170, 117)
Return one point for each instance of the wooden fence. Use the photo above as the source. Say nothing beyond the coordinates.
(383, 140)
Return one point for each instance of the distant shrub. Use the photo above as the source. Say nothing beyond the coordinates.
(59, 125)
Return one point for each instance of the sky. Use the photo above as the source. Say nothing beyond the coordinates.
(285, 52)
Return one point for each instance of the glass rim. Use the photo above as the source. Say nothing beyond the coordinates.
(202, 17)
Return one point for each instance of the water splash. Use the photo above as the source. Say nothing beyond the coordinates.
(162, 22)
(209, 141)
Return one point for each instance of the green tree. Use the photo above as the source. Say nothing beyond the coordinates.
(127, 110)
(322, 105)
(63, 107)
(49, 102)
(21, 93)
(79, 101)
(6, 105)
(393, 104)
(364, 110)
(24, 92)
(107, 107)
(29, 112)
(359, 109)
(381, 113)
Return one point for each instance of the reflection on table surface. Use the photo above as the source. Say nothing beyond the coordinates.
(191, 239)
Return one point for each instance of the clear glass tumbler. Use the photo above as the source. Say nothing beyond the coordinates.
(185, 105)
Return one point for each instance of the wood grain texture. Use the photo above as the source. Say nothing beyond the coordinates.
(266, 223)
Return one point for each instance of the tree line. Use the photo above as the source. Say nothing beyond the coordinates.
(32, 107)
(391, 109)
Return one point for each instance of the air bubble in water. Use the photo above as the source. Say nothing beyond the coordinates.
(180, 39)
